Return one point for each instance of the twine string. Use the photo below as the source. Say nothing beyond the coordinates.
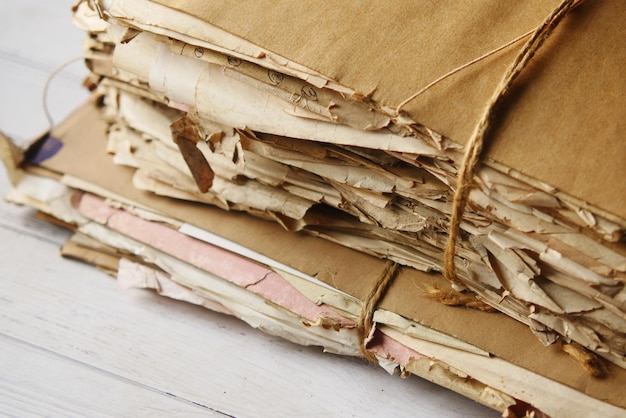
(459, 68)
(476, 143)
(375, 295)
(46, 87)
(470, 161)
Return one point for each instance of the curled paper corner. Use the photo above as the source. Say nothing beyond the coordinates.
(186, 135)
(35, 152)
(12, 157)
(328, 323)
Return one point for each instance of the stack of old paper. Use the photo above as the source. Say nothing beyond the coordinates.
(350, 125)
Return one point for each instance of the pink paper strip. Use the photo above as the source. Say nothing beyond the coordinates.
(232, 267)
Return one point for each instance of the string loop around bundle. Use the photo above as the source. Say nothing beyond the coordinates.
(470, 161)
(475, 145)
(365, 322)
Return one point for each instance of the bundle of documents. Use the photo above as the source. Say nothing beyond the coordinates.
(298, 165)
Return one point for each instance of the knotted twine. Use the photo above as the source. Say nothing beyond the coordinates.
(471, 158)
(476, 143)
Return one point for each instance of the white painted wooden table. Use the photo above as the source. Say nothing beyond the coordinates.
(73, 344)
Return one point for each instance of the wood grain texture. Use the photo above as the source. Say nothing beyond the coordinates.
(73, 344)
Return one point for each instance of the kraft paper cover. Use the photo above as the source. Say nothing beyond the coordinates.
(563, 120)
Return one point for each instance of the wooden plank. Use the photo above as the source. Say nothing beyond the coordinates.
(38, 382)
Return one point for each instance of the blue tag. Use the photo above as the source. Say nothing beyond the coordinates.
(43, 150)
